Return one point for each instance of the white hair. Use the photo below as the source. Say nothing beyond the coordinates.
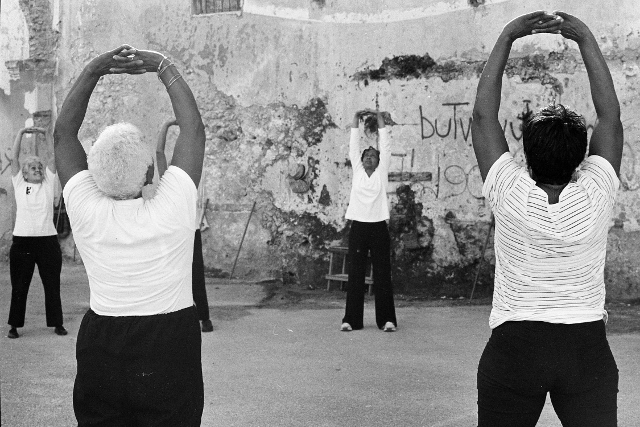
(119, 160)
(28, 161)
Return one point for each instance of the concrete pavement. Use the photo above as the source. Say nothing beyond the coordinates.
(290, 366)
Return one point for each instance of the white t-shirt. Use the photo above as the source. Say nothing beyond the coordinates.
(550, 258)
(368, 200)
(34, 215)
(137, 252)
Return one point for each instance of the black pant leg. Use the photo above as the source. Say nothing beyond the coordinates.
(381, 264)
(358, 251)
(48, 257)
(21, 266)
(198, 287)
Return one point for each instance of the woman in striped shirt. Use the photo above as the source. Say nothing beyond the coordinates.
(552, 220)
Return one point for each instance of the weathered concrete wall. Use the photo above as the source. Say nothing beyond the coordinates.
(278, 84)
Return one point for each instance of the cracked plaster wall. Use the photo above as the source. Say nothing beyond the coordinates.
(277, 87)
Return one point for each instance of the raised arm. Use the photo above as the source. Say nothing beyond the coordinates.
(70, 157)
(489, 142)
(161, 157)
(15, 152)
(607, 137)
(188, 153)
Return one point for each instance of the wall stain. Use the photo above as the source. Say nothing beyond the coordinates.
(315, 120)
(531, 67)
(325, 198)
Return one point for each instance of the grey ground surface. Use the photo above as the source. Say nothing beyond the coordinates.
(274, 360)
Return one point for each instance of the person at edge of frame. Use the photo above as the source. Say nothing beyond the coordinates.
(35, 238)
(551, 225)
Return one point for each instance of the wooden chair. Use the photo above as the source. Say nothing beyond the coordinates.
(343, 276)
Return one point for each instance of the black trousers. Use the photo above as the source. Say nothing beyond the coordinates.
(24, 255)
(523, 361)
(197, 279)
(365, 237)
(139, 370)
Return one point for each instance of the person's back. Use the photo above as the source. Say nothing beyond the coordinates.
(139, 346)
(548, 320)
(550, 257)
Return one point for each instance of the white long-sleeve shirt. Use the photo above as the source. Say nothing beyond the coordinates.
(368, 201)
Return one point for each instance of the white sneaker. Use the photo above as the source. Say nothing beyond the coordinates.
(389, 327)
(345, 327)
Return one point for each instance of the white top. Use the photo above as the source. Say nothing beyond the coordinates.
(550, 258)
(34, 215)
(368, 201)
(137, 252)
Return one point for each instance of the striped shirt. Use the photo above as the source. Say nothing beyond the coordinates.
(550, 258)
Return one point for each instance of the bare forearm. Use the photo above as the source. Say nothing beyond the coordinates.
(17, 143)
(603, 91)
(489, 91)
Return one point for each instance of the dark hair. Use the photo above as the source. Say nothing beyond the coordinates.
(369, 149)
(555, 143)
(371, 124)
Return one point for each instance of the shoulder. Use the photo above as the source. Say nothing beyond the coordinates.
(601, 172)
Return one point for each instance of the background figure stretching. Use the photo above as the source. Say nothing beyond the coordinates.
(551, 227)
(35, 239)
(369, 211)
(139, 346)
(197, 266)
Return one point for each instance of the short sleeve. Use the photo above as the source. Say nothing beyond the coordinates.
(502, 176)
(598, 170)
(176, 198)
(80, 195)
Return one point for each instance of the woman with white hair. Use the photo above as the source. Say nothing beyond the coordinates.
(35, 239)
(138, 347)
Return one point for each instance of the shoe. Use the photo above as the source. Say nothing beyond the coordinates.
(60, 330)
(389, 327)
(346, 327)
(207, 326)
(13, 333)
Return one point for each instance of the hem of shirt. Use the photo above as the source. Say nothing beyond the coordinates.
(572, 321)
(136, 313)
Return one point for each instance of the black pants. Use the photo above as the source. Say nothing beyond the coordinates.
(139, 370)
(197, 279)
(24, 255)
(365, 237)
(523, 361)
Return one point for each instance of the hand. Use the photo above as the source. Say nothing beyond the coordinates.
(572, 28)
(150, 59)
(532, 23)
(170, 122)
(34, 129)
(117, 61)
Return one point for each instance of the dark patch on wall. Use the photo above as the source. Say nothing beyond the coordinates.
(301, 241)
(325, 198)
(529, 68)
(315, 119)
(319, 3)
(476, 3)
(537, 67)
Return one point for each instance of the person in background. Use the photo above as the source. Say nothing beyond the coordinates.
(551, 224)
(197, 267)
(368, 211)
(139, 345)
(35, 239)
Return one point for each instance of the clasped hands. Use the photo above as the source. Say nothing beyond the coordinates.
(126, 60)
(540, 22)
